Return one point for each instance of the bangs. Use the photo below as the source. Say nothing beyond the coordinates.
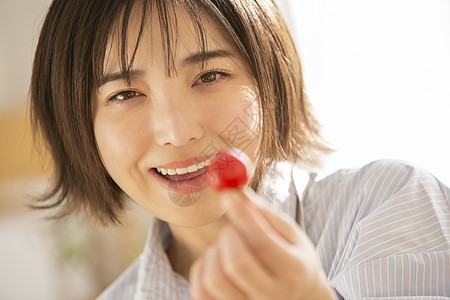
(77, 39)
(166, 13)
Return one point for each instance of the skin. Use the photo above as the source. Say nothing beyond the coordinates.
(258, 253)
(171, 118)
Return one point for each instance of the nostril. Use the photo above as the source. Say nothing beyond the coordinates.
(178, 129)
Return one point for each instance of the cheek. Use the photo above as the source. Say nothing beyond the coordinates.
(251, 111)
(236, 118)
(120, 141)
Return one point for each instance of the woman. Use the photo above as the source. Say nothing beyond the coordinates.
(136, 99)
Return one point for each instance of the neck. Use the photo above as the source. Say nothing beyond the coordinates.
(189, 244)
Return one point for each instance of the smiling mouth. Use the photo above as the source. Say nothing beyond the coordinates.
(182, 174)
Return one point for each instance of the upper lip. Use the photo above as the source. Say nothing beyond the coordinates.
(186, 163)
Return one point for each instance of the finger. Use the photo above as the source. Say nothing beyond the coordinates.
(195, 279)
(215, 281)
(282, 223)
(267, 244)
(240, 265)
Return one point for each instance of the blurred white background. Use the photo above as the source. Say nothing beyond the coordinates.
(377, 72)
(20, 22)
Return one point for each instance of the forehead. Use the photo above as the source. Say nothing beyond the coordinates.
(163, 36)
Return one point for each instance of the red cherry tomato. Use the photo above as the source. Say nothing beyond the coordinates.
(229, 170)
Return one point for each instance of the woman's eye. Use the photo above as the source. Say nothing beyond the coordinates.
(210, 77)
(123, 96)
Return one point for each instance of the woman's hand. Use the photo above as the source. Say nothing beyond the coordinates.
(260, 255)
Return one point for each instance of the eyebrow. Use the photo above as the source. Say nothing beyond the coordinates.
(120, 76)
(195, 58)
(201, 57)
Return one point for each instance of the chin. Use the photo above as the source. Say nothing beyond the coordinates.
(206, 209)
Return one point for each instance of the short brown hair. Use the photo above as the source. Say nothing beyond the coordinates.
(68, 68)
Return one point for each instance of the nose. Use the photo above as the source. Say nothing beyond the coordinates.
(177, 123)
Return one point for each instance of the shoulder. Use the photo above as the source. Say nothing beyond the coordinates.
(374, 184)
(378, 191)
(385, 219)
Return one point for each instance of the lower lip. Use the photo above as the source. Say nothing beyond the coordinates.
(189, 186)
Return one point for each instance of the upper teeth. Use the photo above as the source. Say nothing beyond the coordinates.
(181, 171)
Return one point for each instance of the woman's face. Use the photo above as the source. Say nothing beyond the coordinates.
(174, 125)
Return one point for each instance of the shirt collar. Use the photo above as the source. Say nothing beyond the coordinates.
(156, 279)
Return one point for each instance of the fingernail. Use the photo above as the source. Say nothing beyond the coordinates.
(227, 201)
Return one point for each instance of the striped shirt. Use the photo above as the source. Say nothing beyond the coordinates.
(381, 232)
